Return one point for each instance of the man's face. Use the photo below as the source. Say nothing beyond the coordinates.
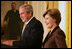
(23, 14)
(13, 6)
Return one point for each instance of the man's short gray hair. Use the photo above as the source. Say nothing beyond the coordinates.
(27, 7)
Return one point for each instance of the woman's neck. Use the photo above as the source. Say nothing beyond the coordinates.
(53, 27)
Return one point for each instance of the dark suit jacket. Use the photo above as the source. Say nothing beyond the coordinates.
(32, 36)
(55, 40)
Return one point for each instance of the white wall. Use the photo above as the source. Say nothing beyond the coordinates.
(62, 8)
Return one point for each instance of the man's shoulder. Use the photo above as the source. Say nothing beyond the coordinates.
(36, 21)
(9, 11)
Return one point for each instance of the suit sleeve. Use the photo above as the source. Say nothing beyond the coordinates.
(36, 35)
(6, 16)
(18, 44)
(60, 40)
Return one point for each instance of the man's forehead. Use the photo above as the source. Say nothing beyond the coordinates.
(22, 9)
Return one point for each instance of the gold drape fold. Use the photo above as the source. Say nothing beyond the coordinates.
(68, 23)
(51, 4)
(28, 2)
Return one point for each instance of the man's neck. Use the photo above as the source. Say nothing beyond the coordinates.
(29, 20)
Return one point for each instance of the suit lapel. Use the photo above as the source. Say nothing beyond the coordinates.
(46, 39)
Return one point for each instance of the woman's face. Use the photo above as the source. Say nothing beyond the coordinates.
(49, 21)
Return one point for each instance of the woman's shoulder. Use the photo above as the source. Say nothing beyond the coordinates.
(60, 33)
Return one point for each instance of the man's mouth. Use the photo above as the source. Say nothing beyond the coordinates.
(47, 23)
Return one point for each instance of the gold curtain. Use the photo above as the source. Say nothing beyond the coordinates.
(28, 2)
(68, 23)
(51, 4)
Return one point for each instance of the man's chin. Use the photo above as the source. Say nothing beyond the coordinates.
(23, 21)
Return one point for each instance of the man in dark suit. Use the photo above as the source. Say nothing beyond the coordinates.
(13, 20)
(32, 33)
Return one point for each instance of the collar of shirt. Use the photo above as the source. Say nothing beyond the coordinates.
(28, 21)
